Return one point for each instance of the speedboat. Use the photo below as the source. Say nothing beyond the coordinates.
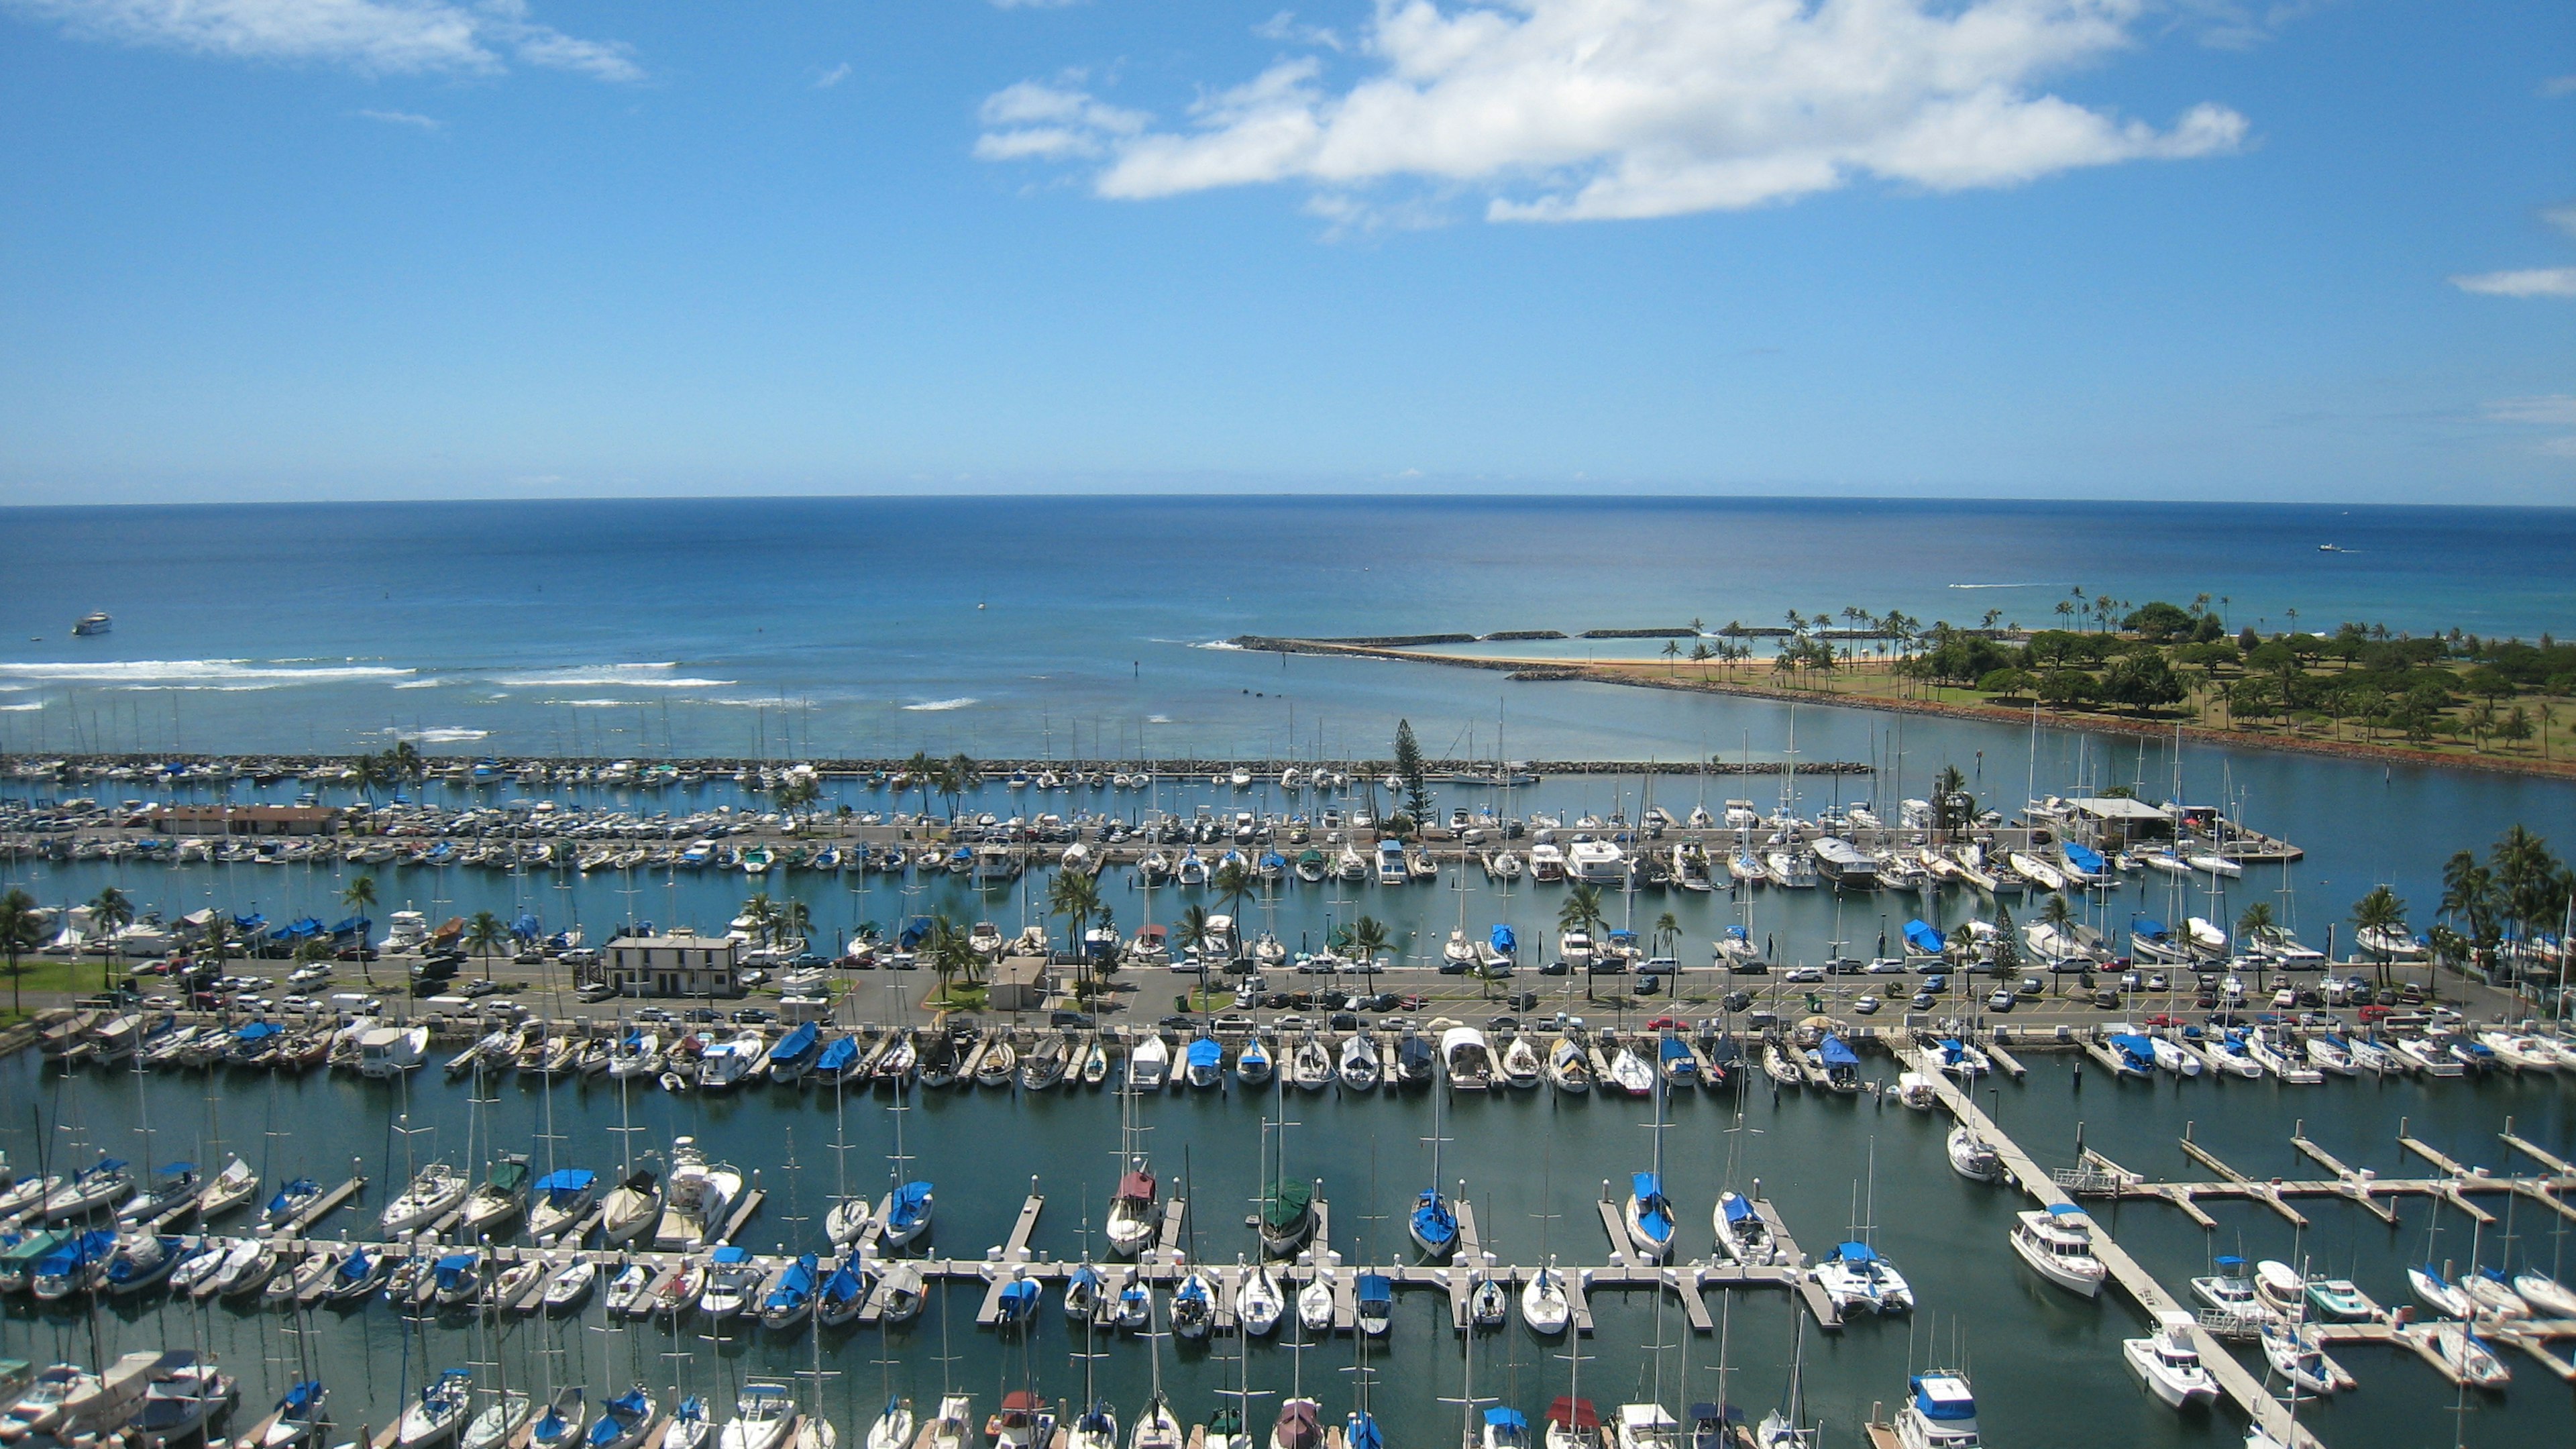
(733, 1279)
(2169, 1363)
(2058, 1245)
(2339, 1300)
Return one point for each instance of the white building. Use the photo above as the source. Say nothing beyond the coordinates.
(675, 965)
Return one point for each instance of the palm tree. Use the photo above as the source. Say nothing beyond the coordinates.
(1581, 910)
(762, 913)
(1951, 803)
(963, 773)
(359, 896)
(1076, 897)
(484, 935)
(19, 934)
(921, 769)
(109, 913)
(2378, 913)
(1236, 883)
(795, 795)
(794, 920)
(2059, 917)
(1369, 937)
(1668, 933)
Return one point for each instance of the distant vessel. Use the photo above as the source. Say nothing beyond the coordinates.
(2329, 548)
(98, 623)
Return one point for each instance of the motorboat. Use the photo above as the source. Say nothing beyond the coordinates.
(1467, 1058)
(1940, 1413)
(2058, 1245)
(1149, 1062)
(185, 1401)
(2168, 1363)
(697, 1198)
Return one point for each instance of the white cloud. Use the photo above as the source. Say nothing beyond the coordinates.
(1571, 109)
(832, 77)
(1283, 27)
(2528, 282)
(1039, 121)
(2546, 410)
(404, 118)
(375, 36)
(2561, 217)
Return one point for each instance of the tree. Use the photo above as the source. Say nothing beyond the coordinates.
(359, 896)
(2469, 897)
(21, 931)
(1235, 883)
(2376, 916)
(109, 913)
(1581, 909)
(961, 775)
(1668, 934)
(794, 920)
(2141, 681)
(484, 935)
(762, 914)
(2007, 941)
(1075, 896)
(1408, 764)
(795, 795)
(1672, 653)
(922, 769)
(2059, 917)
(1953, 808)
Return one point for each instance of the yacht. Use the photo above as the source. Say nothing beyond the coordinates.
(1149, 1062)
(98, 622)
(2467, 1355)
(1743, 1234)
(1133, 1213)
(1940, 1413)
(2230, 1293)
(697, 1198)
(1649, 1217)
(2169, 1363)
(1359, 1068)
(631, 1208)
(2058, 1245)
(2295, 1353)
(437, 1190)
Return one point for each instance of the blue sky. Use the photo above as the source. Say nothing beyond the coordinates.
(453, 248)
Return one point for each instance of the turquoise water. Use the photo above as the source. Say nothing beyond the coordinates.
(2046, 1364)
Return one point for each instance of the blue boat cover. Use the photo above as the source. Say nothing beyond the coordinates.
(914, 932)
(795, 1285)
(569, 1179)
(178, 1169)
(1363, 1432)
(356, 1266)
(1502, 939)
(2149, 927)
(842, 1286)
(911, 1202)
(1432, 1219)
(1925, 938)
(300, 1399)
(730, 1253)
(1943, 1397)
(795, 1043)
(257, 1031)
(456, 1260)
(2229, 1264)
(1205, 1052)
(1506, 1419)
(1737, 1209)
(300, 1187)
(1837, 1053)
(1856, 1253)
(837, 1054)
(2085, 858)
(2143, 1048)
(1376, 1288)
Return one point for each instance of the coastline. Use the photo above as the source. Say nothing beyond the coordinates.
(1636, 674)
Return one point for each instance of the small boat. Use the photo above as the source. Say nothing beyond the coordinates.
(298, 1418)
(1544, 1305)
(2169, 1363)
(1252, 1065)
(1315, 1303)
(1310, 1067)
(623, 1421)
(226, 1190)
(103, 1185)
(174, 1187)
(359, 1276)
(569, 1285)
(498, 1422)
(1374, 1299)
(1973, 1157)
(691, 1428)
(788, 1296)
(1258, 1302)
(2338, 1300)
(502, 1197)
(762, 1415)
(2438, 1294)
(1359, 1067)
(626, 1292)
(2545, 1294)
(2295, 1354)
(733, 1280)
(438, 1189)
(1194, 1306)
(2467, 1355)
(1649, 1218)
(631, 1207)
(2058, 1245)
(1743, 1234)
(843, 1293)
(185, 1401)
(1939, 1413)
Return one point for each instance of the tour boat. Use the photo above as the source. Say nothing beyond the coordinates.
(2058, 1245)
(2169, 1363)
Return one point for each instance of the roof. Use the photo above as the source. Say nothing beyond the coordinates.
(2116, 807)
(727, 944)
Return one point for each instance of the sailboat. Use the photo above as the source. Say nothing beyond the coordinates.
(1431, 1224)
(904, 1212)
(1649, 1215)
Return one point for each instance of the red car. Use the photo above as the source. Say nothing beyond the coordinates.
(2164, 1018)
(2374, 1012)
(1412, 1001)
(1664, 1023)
